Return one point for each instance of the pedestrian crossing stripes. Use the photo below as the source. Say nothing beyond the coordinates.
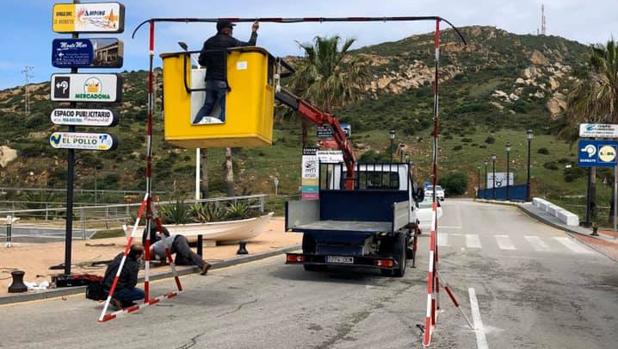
(504, 242)
(572, 245)
(473, 241)
(442, 239)
(537, 243)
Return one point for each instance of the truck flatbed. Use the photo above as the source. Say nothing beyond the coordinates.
(358, 226)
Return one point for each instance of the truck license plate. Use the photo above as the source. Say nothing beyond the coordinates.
(340, 259)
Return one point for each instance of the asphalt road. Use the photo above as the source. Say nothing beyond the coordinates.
(535, 288)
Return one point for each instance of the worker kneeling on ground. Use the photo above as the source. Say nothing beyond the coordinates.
(126, 293)
(179, 245)
(214, 57)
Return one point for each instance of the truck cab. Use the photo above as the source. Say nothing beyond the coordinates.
(371, 226)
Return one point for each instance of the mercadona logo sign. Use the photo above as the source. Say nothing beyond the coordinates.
(83, 141)
(86, 87)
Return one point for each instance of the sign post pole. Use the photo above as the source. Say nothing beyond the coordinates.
(615, 196)
(68, 240)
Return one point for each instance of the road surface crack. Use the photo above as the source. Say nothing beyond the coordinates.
(237, 308)
(192, 342)
(344, 329)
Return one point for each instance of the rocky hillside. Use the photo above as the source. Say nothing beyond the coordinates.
(499, 80)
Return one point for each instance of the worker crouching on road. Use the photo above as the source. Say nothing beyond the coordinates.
(126, 293)
(179, 245)
(213, 56)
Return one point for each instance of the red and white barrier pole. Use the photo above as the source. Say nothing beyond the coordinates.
(137, 307)
(452, 297)
(431, 310)
(174, 272)
(432, 271)
(140, 212)
(151, 45)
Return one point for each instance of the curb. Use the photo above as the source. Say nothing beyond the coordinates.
(67, 291)
(496, 202)
(552, 224)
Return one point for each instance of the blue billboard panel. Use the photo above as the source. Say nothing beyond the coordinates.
(594, 153)
(87, 53)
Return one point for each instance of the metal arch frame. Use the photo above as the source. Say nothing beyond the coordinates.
(433, 300)
(288, 20)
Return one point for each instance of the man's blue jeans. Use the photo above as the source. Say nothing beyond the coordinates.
(215, 96)
(127, 296)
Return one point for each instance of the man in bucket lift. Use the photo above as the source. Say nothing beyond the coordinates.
(213, 57)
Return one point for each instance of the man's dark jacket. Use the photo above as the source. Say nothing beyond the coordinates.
(215, 59)
(128, 276)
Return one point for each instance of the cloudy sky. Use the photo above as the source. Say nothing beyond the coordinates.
(27, 35)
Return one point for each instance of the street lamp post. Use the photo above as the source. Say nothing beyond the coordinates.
(391, 135)
(485, 180)
(530, 135)
(478, 191)
(508, 177)
(493, 165)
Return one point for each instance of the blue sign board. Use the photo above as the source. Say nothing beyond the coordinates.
(87, 53)
(597, 153)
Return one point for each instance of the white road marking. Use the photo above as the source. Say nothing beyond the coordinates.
(537, 243)
(481, 340)
(573, 246)
(449, 227)
(473, 241)
(442, 239)
(504, 242)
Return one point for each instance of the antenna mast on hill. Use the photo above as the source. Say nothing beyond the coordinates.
(543, 27)
(27, 75)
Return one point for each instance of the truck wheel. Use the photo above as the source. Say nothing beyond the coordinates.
(400, 249)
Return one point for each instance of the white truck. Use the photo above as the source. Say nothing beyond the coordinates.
(371, 226)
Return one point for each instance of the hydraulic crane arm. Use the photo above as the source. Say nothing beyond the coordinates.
(312, 114)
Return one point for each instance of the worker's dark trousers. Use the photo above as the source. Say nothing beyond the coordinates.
(215, 96)
(184, 254)
(126, 296)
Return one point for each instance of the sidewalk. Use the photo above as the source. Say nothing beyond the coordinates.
(36, 258)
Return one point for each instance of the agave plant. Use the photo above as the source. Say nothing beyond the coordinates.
(202, 213)
(175, 213)
(236, 210)
(240, 210)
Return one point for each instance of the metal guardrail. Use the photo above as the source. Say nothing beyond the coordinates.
(63, 190)
(89, 219)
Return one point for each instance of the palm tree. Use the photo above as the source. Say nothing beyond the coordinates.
(595, 98)
(328, 76)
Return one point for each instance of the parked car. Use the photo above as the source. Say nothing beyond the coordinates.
(424, 212)
(439, 192)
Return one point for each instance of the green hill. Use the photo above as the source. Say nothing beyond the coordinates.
(493, 89)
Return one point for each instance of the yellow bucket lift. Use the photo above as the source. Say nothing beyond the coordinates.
(249, 102)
